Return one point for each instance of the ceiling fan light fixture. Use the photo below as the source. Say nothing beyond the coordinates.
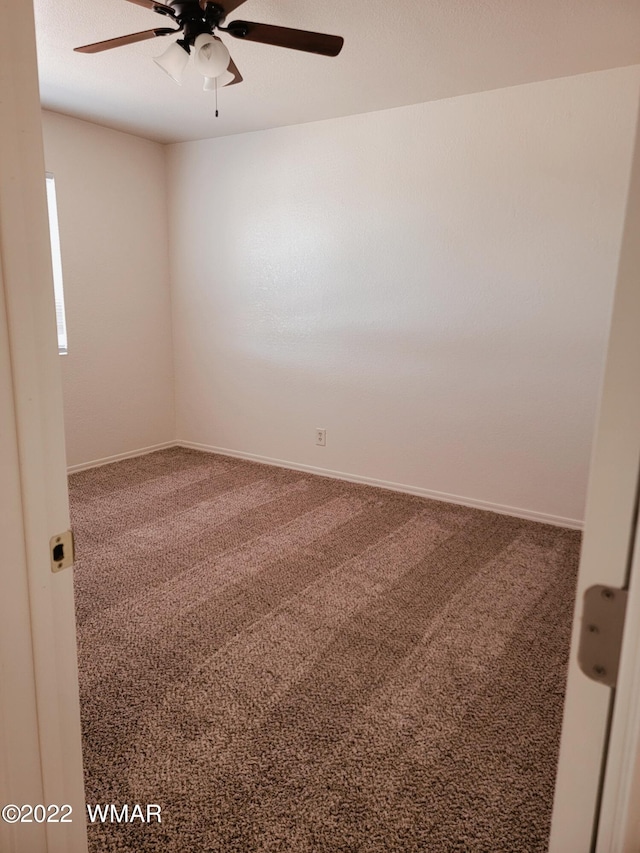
(173, 61)
(211, 57)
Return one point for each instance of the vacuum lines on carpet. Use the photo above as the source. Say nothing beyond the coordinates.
(285, 662)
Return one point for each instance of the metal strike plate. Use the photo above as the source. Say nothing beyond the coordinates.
(603, 614)
(61, 551)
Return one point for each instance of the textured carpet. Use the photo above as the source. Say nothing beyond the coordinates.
(289, 663)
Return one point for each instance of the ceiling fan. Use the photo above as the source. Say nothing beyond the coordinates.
(197, 20)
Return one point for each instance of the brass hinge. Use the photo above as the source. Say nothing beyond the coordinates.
(61, 551)
(603, 615)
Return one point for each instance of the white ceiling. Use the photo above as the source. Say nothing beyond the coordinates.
(395, 53)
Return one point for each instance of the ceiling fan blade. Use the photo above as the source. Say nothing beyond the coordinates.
(233, 68)
(153, 5)
(130, 39)
(284, 37)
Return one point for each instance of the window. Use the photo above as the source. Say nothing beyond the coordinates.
(56, 260)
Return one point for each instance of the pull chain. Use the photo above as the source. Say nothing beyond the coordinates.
(216, 90)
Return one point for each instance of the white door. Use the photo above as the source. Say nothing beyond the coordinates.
(619, 819)
(582, 785)
(41, 762)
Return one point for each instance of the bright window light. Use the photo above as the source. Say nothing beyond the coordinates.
(56, 260)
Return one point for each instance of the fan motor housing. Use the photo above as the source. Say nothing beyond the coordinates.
(194, 20)
(191, 10)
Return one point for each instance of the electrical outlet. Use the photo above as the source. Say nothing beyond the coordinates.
(321, 437)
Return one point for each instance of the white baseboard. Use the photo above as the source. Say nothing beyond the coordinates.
(516, 512)
(130, 454)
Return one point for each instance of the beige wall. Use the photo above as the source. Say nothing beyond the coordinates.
(431, 284)
(118, 376)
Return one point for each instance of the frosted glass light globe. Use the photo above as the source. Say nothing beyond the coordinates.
(174, 61)
(222, 80)
(211, 57)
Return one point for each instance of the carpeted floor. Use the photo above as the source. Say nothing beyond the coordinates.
(290, 663)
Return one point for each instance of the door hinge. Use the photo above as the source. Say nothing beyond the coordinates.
(61, 551)
(603, 614)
